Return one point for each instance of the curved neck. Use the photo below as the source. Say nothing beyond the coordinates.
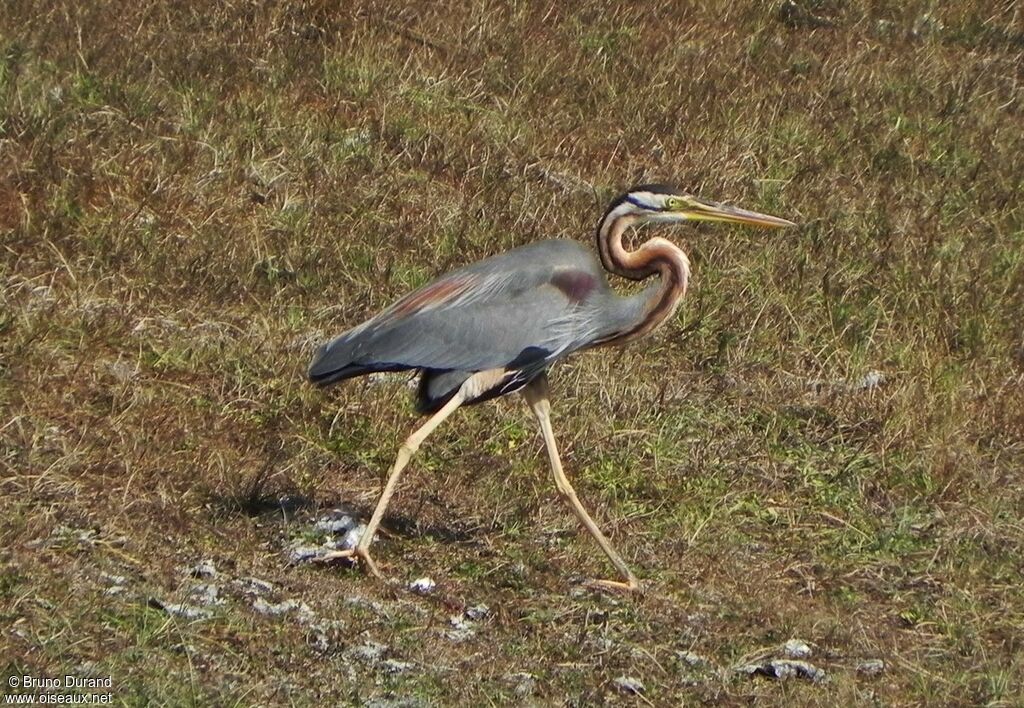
(656, 256)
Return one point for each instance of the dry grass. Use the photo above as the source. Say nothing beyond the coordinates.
(192, 197)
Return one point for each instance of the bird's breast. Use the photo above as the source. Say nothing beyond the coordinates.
(576, 285)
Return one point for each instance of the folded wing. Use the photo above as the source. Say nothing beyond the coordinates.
(519, 311)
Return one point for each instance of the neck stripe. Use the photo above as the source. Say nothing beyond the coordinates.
(636, 202)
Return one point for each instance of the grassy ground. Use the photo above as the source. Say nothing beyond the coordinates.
(192, 197)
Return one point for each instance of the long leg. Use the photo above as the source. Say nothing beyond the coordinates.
(473, 386)
(536, 394)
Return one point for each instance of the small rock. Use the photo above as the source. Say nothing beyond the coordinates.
(423, 586)
(371, 652)
(204, 569)
(872, 667)
(784, 669)
(869, 381)
(253, 586)
(206, 594)
(375, 605)
(322, 634)
(113, 579)
(351, 539)
(122, 371)
(320, 641)
(795, 649)
(84, 537)
(396, 703)
(478, 612)
(525, 683)
(114, 590)
(181, 609)
(628, 684)
(599, 643)
(280, 608)
(691, 659)
(298, 554)
(394, 666)
(461, 629)
(340, 524)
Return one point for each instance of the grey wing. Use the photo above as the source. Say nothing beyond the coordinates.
(485, 335)
(514, 313)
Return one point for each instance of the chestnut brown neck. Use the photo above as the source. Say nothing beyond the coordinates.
(656, 256)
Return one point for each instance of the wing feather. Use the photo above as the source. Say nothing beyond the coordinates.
(481, 317)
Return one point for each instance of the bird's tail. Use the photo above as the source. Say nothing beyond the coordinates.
(338, 360)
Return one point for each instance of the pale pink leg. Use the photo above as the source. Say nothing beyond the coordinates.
(536, 394)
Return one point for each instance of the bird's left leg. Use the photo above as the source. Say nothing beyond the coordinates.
(536, 394)
(405, 453)
(471, 388)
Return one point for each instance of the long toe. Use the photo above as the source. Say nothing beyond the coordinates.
(353, 555)
(631, 585)
(348, 554)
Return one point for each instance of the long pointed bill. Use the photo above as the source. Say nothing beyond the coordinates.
(701, 210)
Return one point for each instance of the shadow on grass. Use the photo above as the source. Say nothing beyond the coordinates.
(409, 527)
(256, 503)
(284, 506)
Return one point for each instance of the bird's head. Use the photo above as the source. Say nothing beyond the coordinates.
(657, 203)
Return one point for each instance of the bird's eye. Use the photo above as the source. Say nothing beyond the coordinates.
(673, 203)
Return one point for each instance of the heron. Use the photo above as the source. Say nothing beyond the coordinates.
(497, 326)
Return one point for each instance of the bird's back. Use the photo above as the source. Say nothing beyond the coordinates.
(519, 310)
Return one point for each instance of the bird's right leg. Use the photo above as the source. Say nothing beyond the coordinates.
(537, 396)
(471, 388)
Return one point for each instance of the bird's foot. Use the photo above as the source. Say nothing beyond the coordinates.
(630, 585)
(355, 555)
